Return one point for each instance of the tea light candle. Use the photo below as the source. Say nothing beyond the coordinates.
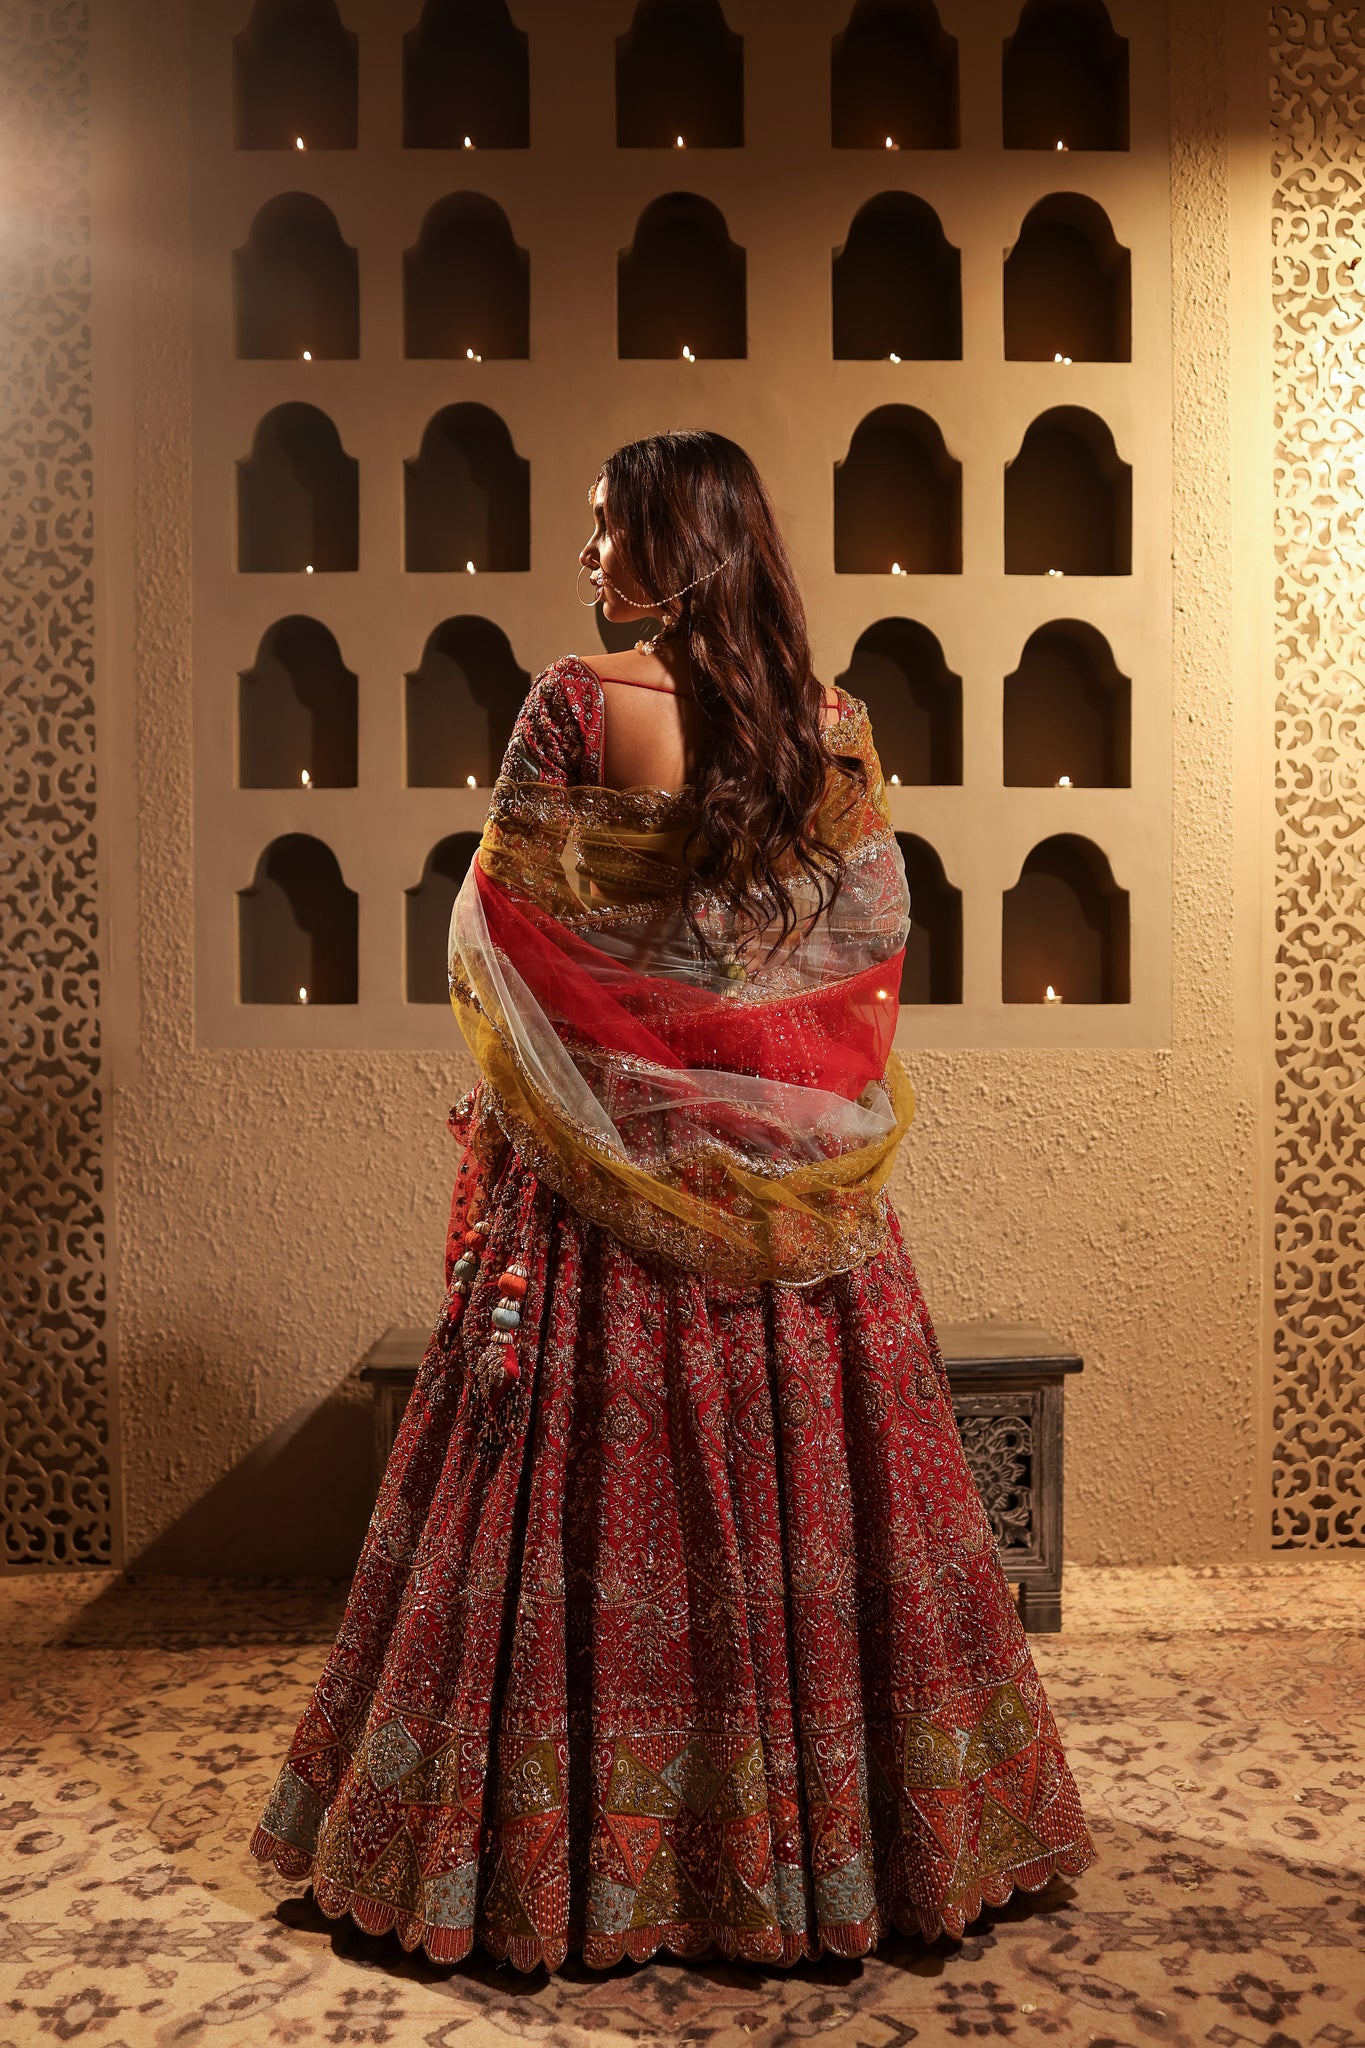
(303, 995)
(890, 144)
(298, 142)
(1061, 359)
(469, 568)
(471, 782)
(469, 144)
(896, 780)
(308, 355)
(1061, 145)
(307, 568)
(1065, 782)
(896, 569)
(687, 354)
(1056, 572)
(470, 356)
(306, 779)
(1051, 995)
(894, 358)
(680, 144)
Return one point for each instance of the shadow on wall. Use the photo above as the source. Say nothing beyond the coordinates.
(297, 1506)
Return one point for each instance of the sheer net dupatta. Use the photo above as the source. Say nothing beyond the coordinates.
(737, 1114)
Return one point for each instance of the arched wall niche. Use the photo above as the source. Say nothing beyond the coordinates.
(298, 926)
(1068, 499)
(296, 283)
(679, 71)
(428, 908)
(297, 711)
(932, 970)
(294, 72)
(898, 497)
(1067, 285)
(467, 495)
(298, 496)
(1068, 711)
(681, 283)
(1065, 926)
(1065, 78)
(466, 72)
(462, 701)
(466, 283)
(893, 73)
(896, 284)
(914, 700)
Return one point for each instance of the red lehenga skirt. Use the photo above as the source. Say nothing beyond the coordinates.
(712, 1650)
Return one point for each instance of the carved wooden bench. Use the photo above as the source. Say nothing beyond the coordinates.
(1009, 1388)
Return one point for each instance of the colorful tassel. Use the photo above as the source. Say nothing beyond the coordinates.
(465, 1270)
(499, 1367)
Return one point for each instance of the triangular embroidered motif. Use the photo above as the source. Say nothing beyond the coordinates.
(531, 1783)
(637, 1836)
(744, 1788)
(525, 1841)
(734, 1905)
(502, 1907)
(1014, 1781)
(634, 1788)
(334, 1860)
(1003, 1729)
(314, 1732)
(929, 1755)
(694, 1774)
(667, 1894)
(1004, 1841)
(934, 1826)
(748, 1844)
(395, 1878)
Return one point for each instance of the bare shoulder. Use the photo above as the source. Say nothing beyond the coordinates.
(627, 667)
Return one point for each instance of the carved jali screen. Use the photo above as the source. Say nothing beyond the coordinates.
(54, 1420)
(1318, 227)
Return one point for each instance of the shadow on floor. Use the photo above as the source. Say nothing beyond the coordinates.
(905, 1952)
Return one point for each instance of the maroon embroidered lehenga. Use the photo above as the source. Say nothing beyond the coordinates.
(679, 1623)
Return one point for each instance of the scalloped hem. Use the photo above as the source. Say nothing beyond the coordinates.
(686, 1940)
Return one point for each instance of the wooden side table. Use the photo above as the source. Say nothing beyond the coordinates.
(1009, 1390)
(1009, 1387)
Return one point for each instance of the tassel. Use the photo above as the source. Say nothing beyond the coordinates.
(499, 1367)
(465, 1271)
(498, 1370)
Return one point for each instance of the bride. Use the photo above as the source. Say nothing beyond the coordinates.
(679, 1623)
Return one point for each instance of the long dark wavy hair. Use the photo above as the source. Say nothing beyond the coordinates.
(676, 505)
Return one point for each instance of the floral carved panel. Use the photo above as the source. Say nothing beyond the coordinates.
(999, 1450)
(1318, 238)
(54, 1418)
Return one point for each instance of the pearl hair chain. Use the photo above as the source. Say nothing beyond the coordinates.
(656, 603)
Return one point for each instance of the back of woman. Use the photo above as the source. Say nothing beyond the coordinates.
(680, 1623)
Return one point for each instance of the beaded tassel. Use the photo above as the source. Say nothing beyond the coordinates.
(499, 1369)
(466, 1267)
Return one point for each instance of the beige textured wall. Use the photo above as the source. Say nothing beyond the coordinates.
(1120, 1198)
(274, 1211)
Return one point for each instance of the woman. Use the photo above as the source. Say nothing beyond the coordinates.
(679, 1623)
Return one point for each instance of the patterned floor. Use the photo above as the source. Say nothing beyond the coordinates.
(1215, 1720)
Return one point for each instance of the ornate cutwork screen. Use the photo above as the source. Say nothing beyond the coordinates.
(1318, 216)
(56, 1501)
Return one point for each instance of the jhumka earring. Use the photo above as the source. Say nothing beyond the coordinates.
(666, 632)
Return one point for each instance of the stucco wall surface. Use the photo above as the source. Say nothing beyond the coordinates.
(275, 1212)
